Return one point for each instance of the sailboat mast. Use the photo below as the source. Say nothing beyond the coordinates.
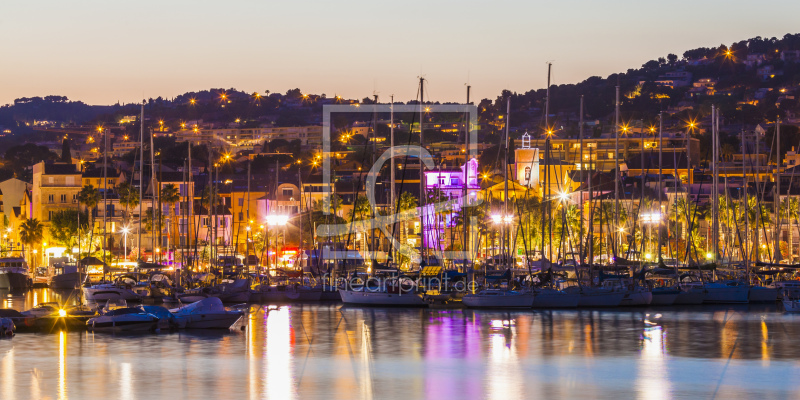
(582, 168)
(105, 192)
(505, 184)
(392, 206)
(616, 172)
(141, 182)
(746, 205)
(155, 213)
(422, 194)
(465, 198)
(776, 240)
(660, 172)
(715, 189)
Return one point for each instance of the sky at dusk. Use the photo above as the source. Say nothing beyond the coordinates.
(102, 52)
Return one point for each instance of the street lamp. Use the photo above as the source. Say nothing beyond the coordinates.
(125, 231)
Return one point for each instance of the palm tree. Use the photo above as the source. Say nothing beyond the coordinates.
(757, 216)
(31, 233)
(90, 197)
(790, 207)
(128, 197)
(361, 211)
(170, 195)
(405, 202)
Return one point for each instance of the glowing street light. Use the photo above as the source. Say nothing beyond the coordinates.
(125, 231)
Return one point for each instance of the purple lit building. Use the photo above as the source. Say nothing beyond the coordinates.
(442, 185)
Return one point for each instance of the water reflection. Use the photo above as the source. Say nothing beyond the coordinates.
(652, 382)
(330, 351)
(278, 354)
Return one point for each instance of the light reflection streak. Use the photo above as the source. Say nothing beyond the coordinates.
(125, 381)
(652, 382)
(278, 354)
(8, 380)
(62, 366)
(504, 375)
(366, 364)
(251, 356)
(764, 343)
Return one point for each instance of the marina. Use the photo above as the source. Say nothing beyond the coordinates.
(335, 351)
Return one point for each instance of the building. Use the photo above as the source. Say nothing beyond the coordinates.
(55, 188)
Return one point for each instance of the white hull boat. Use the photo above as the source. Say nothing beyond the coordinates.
(791, 305)
(552, 298)
(381, 298)
(637, 297)
(206, 314)
(304, 293)
(106, 292)
(494, 298)
(787, 289)
(760, 294)
(129, 319)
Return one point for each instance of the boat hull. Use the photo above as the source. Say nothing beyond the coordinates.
(727, 295)
(67, 281)
(665, 297)
(304, 295)
(523, 300)
(690, 297)
(113, 294)
(636, 298)
(759, 294)
(138, 324)
(555, 299)
(14, 280)
(368, 298)
(792, 306)
(208, 321)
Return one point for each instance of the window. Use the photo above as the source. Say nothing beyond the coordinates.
(205, 221)
(610, 156)
(241, 216)
(241, 202)
(288, 192)
(50, 198)
(454, 181)
(50, 179)
(63, 198)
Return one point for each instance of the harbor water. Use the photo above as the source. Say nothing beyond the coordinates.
(331, 351)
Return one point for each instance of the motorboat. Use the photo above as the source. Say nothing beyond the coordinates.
(596, 297)
(66, 277)
(166, 320)
(786, 289)
(762, 294)
(791, 305)
(192, 295)
(553, 298)
(208, 313)
(387, 292)
(21, 322)
(665, 296)
(14, 273)
(237, 291)
(125, 319)
(499, 298)
(42, 310)
(110, 291)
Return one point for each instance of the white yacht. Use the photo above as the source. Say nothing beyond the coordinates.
(126, 319)
(385, 292)
(110, 291)
(14, 273)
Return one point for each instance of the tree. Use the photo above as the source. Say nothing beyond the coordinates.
(64, 228)
(89, 197)
(66, 153)
(31, 232)
(672, 58)
(23, 156)
(128, 197)
(170, 195)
